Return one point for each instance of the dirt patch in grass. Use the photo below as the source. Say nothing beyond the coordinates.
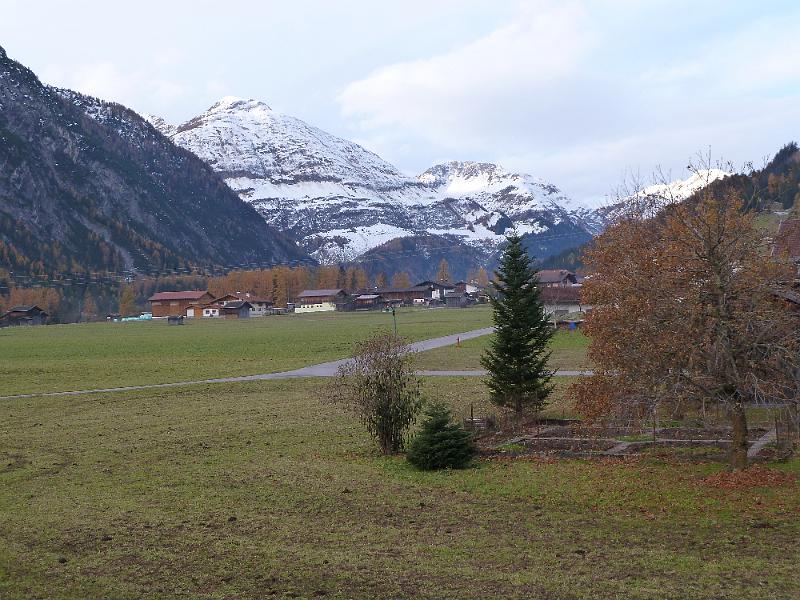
(756, 476)
(11, 461)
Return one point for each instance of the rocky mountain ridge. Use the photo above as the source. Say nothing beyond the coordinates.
(343, 202)
(90, 185)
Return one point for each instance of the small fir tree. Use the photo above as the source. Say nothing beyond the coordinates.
(441, 444)
(517, 356)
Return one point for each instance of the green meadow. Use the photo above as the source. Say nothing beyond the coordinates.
(98, 355)
(262, 489)
(568, 353)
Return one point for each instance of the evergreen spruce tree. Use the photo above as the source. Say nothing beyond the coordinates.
(441, 444)
(517, 356)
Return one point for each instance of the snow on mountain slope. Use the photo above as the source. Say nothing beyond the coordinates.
(341, 200)
(596, 220)
(247, 138)
(681, 189)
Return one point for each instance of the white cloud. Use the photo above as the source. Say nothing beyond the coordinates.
(104, 79)
(573, 93)
(444, 96)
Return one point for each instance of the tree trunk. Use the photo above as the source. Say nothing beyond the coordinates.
(739, 438)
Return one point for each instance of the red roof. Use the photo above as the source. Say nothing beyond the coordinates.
(184, 295)
(788, 239)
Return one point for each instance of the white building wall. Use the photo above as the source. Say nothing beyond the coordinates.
(321, 307)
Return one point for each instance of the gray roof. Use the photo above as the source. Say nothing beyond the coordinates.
(314, 293)
(238, 304)
(24, 309)
(416, 288)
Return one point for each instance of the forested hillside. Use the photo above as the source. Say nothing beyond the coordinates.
(91, 186)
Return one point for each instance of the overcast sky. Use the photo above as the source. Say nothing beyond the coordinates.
(578, 93)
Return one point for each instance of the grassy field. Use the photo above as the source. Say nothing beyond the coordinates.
(261, 489)
(569, 353)
(69, 357)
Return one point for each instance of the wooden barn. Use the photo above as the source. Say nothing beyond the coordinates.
(368, 302)
(174, 304)
(23, 316)
(418, 294)
(239, 309)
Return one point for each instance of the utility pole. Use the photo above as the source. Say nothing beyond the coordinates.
(394, 318)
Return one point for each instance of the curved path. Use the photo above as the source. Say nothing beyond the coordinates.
(326, 369)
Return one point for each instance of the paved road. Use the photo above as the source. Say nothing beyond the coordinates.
(327, 369)
(481, 373)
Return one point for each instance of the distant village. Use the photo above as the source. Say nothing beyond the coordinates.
(560, 291)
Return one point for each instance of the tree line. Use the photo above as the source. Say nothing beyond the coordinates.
(73, 298)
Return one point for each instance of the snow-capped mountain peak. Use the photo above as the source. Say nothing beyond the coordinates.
(235, 102)
(341, 200)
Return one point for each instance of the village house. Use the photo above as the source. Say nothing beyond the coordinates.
(240, 309)
(175, 304)
(199, 311)
(368, 302)
(466, 287)
(231, 309)
(320, 300)
(413, 296)
(438, 288)
(20, 316)
(457, 299)
(560, 301)
(260, 306)
(556, 278)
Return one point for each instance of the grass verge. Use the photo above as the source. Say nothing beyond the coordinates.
(569, 353)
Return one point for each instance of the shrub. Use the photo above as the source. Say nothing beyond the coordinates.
(380, 386)
(441, 444)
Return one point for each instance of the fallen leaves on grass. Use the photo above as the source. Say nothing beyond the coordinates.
(752, 477)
